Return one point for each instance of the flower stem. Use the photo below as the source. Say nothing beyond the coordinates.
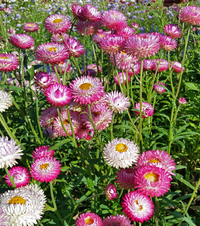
(140, 133)
(157, 211)
(111, 127)
(10, 178)
(71, 126)
(90, 116)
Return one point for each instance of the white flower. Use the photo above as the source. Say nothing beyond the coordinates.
(9, 152)
(24, 205)
(121, 153)
(5, 100)
(3, 218)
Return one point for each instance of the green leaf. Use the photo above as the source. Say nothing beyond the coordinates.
(178, 167)
(180, 178)
(192, 86)
(84, 197)
(197, 208)
(178, 215)
(58, 144)
(182, 128)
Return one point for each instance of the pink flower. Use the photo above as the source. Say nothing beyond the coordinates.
(62, 67)
(161, 65)
(142, 45)
(122, 78)
(137, 207)
(84, 133)
(77, 11)
(90, 13)
(59, 37)
(22, 41)
(21, 176)
(90, 27)
(182, 100)
(58, 94)
(52, 53)
(168, 43)
(190, 15)
(7, 10)
(93, 70)
(43, 79)
(125, 32)
(47, 116)
(136, 68)
(101, 34)
(120, 220)
(74, 48)
(3, 218)
(176, 66)
(110, 191)
(30, 27)
(8, 62)
(148, 65)
(147, 109)
(57, 23)
(91, 219)
(158, 88)
(42, 151)
(172, 31)
(114, 20)
(152, 180)
(45, 169)
(125, 178)
(135, 25)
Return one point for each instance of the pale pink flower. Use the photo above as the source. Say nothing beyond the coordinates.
(148, 65)
(168, 43)
(122, 78)
(125, 32)
(22, 41)
(136, 68)
(172, 31)
(147, 109)
(90, 27)
(135, 25)
(119, 220)
(158, 88)
(124, 178)
(190, 15)
(7, 10)
(161, 65)
(47, 116)
(3, 218)
(111, 192)
(74, 48)
(30, 27)
(91, 219)
(42, 151)
(101, 34)
(182, 100)
(176, 66)
(8, 62)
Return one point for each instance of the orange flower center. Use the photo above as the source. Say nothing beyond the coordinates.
(17, 200)
(154, 161)
(57, 21)
(52, 49)
(44, 166)
(121, 147)
(85, 86)
(30, 25)
(66, 122)
(140, 206)
(152, 177)
(4, 57)
(96, 113)
(89, 221)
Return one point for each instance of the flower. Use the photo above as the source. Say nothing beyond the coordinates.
(92, 69)
(90, 13)
(101, 34)
(182, 101)
(42, 151)
(3, 218)
(137, 207)
(59, 37)
(45, 169)
(136, 68)
(52, 53)
(22, 41)
(122, 78)
(21, 176)
(157, 158)
(91, 219)
(110, 191)
(152, 180)
(117, 102)
(161, 65)
(147, 109)
(47, 116)
(77, 11)
(120, 220)
(158, 88)
(125, 178)
(30, 27)
(9, 152)
(86, 89)
(168, 43)
(148, 65)
(8, 62)
(142, 45)
(190, 15)
(176, 66)
(74, 48)
(43, 79)
(120, 153)
(114, 20)
(57, 23)
(58, 94)
(5, 100)
(24, 205)
(125, 32)
(172, 31)
(135, 25)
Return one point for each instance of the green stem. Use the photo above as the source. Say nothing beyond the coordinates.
(127, 84)
(157, 211)
(71, 126)
(132, 122)
(58, 77)
(90, 116)
(140, 133)
(12, 180)
(111, 127)
(37, 117)
(64, 76)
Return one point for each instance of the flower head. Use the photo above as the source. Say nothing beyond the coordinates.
(77, 11)
(22, 41)
(47, 116)
(91, 219)
(135, 25)
(137, 207)
(42, 151)
(148, 65)
(74, 48)
(167, 43)
(120, 220)
(190, 15)
(30, 27)
(62, 67)
(91, 13)
(125, 178)
(101, 34)
(147, 109)
(161, 65)
(59, 37)
(110, 191)
(120, 153)
(158, 88)
(92, 69)
(87, 27)
(5, 100)
(8, 62)
(176, 66)
(172, 31)
(182, 101)
(43, 79)
(125, 32)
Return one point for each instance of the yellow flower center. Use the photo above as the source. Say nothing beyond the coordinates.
(17, 200)
(122, 52)
(44, 166)
(89, 221)
(4, 58)
(121, 147)
(52, 49)
(57, 21)
(30, 25)
(85, 86)
(154, 161)
(152, 177)
(102, 36)
(66, 122)
(140, 206)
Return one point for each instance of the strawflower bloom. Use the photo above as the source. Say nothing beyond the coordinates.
(57, 23)
(74, 48)
(42, 151)
(158, 88)
(172, 31)
(47, 116)
(3, 218)
(91, 13)
(21, 176)
(161, 65)
(77, 11)
(58, 94)
(176, 66)
(8, 62)
(43, 79)
(52, 53)
(59, 37)
(125, 32)
(182, 100)
(148, 65)
(120, 153)
(24, 205)
(147, 109)
(30, 27)
(45, 169)
(86, 89)
(110, 191)
(114, 20)
(137, 207)
(136, 68)
(124, 178)
(120, 220)
(122, 78)
(135, 25)
(168, 43)
(152, 180)
(117, 102)
(9, 152)
(190, 15)
(101, 34)
(22, 41)
(91, 219)
(5, 100)
(90, 27)
(157, 158)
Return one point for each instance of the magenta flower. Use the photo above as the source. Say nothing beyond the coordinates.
(59, 37)
(58, 94)
(190, 15)
(110, 191)
(22, 41)
(74, 48)
(152, 180)
(125, 178)
(101, 34)
(43, 79)
(114, 20)
(47, 116)
(90, 27)
(90, 13)
(176, 66)
(84, 133)
(158, 88)
(136, 68)
(21, 176)
(125, 32)
(52, 53)
(172, 31)
(168, 43)
(30, 27)
(91, 219)
(45, 169)
(122, 78)
(77, 11)
(148, 65)
(120, 220)
(57, 23)
(182, 101)
(147, 109)
(137, 207)
(42, 151)
(161, 65)
(8, 62)
(135, 25)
